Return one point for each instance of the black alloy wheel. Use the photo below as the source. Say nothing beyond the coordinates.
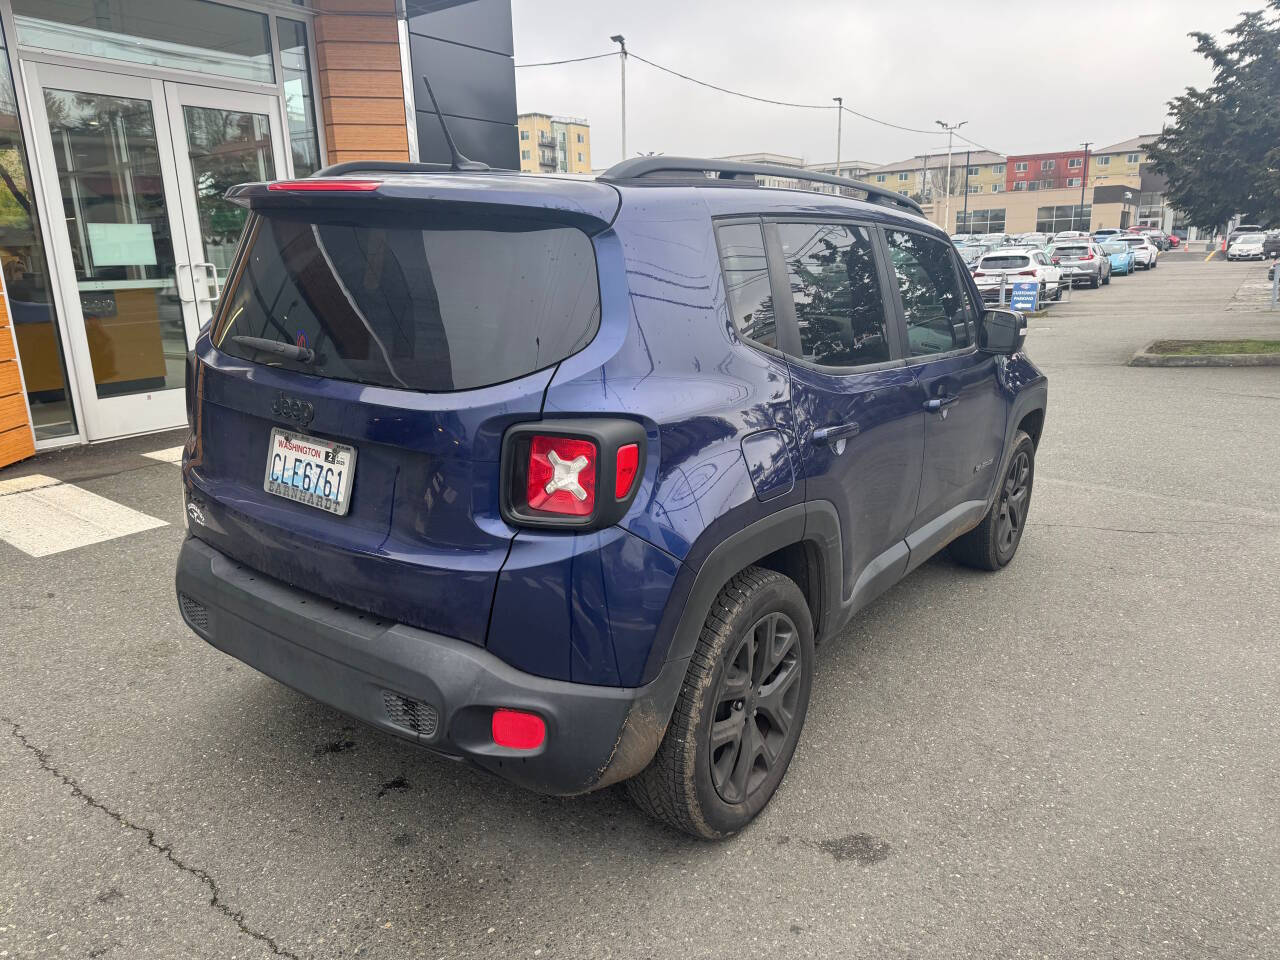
(755, 707)
(1015, 496)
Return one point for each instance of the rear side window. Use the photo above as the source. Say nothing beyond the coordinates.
(831, 270)
(933, 305)
(746, 280)
(415, 300)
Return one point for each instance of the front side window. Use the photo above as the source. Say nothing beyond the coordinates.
(933, 303)
(831, 269)
(746, 283)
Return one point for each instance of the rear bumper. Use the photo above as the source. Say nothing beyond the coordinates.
(434, 690)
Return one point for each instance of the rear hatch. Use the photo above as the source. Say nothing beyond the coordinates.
(371, 347)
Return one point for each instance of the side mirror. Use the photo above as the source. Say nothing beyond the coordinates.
(1002, 332)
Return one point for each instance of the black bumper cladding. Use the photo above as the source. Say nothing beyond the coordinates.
(436, 691)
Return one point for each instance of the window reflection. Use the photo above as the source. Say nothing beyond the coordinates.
(26, 279)
(932, 302)
(299, 99)
(746, 277)
(839, 309)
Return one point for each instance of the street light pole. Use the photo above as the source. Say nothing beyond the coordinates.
(951, 130)
(1084, 177)
(621, 41)
(967, 155)
(839, 129)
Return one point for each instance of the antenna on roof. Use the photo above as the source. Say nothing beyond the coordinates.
(457, 160)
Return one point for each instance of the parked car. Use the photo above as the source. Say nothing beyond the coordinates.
(1174, 241)
(1105, 233)
(959, 239)
(1070, 235)
(1000, 269)
(1082, 261)
(408, 497)
(1271, 244)
(1039, 240)
(994, 239)
(971, 253)
(1240, 228)
(1247, 246)
(1121, 257)
(1145, 253)
(1158, 237)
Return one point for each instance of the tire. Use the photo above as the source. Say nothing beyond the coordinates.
(1154, 264)
(708, 791)
(992, 543)
(1107, 282)
(1094, 283)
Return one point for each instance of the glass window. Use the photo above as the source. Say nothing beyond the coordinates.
(26, 279)
(1047, 164)
(412, 300)
(997, 168)
(932, 302)
(1102, 161)
(1074, 162)
(880, 178)
(524, 154)
(524, 134)
(831, 269)
(1020, 166)
(299, 99)
(1132, 158)
(191, 35)
(746, 282)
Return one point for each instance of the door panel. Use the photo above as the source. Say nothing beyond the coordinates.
(221, 138)
(858, 409)
(965, 409)
(118, 248)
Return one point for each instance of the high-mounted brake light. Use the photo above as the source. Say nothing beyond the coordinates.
(562, 476)
(335, 185)
(518, 729)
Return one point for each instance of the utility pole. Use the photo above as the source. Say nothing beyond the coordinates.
(839, 129)
(1084, 177)
(966, 193)
(621, 41)
(951, 131)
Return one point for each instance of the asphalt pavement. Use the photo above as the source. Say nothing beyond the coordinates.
(1076, 757)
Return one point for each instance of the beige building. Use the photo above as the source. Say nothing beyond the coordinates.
(554, 144)
(1119, 162)
(924, 176)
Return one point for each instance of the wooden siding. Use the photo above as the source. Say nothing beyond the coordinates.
(361, 88)
(16, 439)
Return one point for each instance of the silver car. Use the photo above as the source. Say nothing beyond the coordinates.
(1082, 261)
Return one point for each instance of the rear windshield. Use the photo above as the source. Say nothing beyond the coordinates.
(420, 301)
(1004, 263)
(1132, 241)
(1115, 247)
(1070, 251)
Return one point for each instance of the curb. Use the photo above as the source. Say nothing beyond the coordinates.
(1145, 358)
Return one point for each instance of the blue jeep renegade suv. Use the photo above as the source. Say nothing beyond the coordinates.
(566, 477)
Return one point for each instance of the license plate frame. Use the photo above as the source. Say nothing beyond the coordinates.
(297, 452)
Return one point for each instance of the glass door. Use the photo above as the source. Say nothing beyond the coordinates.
(145, 238)
(221, 138)
(119, 249)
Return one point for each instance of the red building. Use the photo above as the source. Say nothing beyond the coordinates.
(1044, 171)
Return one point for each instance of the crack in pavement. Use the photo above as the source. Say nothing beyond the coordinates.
(215, 892)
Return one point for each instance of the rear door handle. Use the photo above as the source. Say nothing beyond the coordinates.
(840, 431)
(938, 403)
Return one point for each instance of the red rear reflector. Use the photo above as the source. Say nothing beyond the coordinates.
(628, 461)
(335, 185)
(1026, 273)
(518, 730)
(562, 476)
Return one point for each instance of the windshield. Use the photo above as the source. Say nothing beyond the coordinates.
(409, 299)
(1249, 238)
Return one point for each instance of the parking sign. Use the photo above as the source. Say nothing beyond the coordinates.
(1026, 296)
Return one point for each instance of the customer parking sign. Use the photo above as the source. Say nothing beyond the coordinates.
(1026, 296)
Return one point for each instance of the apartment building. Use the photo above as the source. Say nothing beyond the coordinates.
(1044, 171)
(554, 144)
(924, 176)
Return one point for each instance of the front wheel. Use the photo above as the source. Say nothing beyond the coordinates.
(740, 712)
(993, 542)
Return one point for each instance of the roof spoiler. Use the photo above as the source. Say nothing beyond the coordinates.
(695, 171)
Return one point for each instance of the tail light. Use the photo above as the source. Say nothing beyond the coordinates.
(1087, 256)
(1026, 273)
(1055, 260)
(979, 273)
(571, 473)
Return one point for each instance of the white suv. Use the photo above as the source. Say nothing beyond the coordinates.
(1145, 253)
(1003, 268)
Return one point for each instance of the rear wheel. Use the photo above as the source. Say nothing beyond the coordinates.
(1093, 283)
(740, 712)
(992, 543)
(1106, 280)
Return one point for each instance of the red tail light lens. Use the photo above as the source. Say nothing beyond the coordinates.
(561, 477)
(1026, 273)
(979, 273)
(628, 462)
(334, 185)
(518, 730)
(1087, 256)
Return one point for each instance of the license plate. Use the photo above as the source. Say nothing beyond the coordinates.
(310, 471)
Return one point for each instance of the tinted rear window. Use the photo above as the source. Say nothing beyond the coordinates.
(413, 300)
(1070, 251)
(1004, 263)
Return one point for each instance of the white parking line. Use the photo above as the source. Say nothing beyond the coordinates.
(170, 455)
(41, 516)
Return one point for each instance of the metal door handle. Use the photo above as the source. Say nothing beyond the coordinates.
(211, 278)
(839, 432)
(937, 403)
(177, 281)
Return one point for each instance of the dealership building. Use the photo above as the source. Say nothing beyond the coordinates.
(123, 122)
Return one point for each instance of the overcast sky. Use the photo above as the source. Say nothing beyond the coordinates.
(1028, 76)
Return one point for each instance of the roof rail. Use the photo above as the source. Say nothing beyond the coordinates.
(693, 170)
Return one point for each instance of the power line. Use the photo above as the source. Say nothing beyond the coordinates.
(556, 63)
